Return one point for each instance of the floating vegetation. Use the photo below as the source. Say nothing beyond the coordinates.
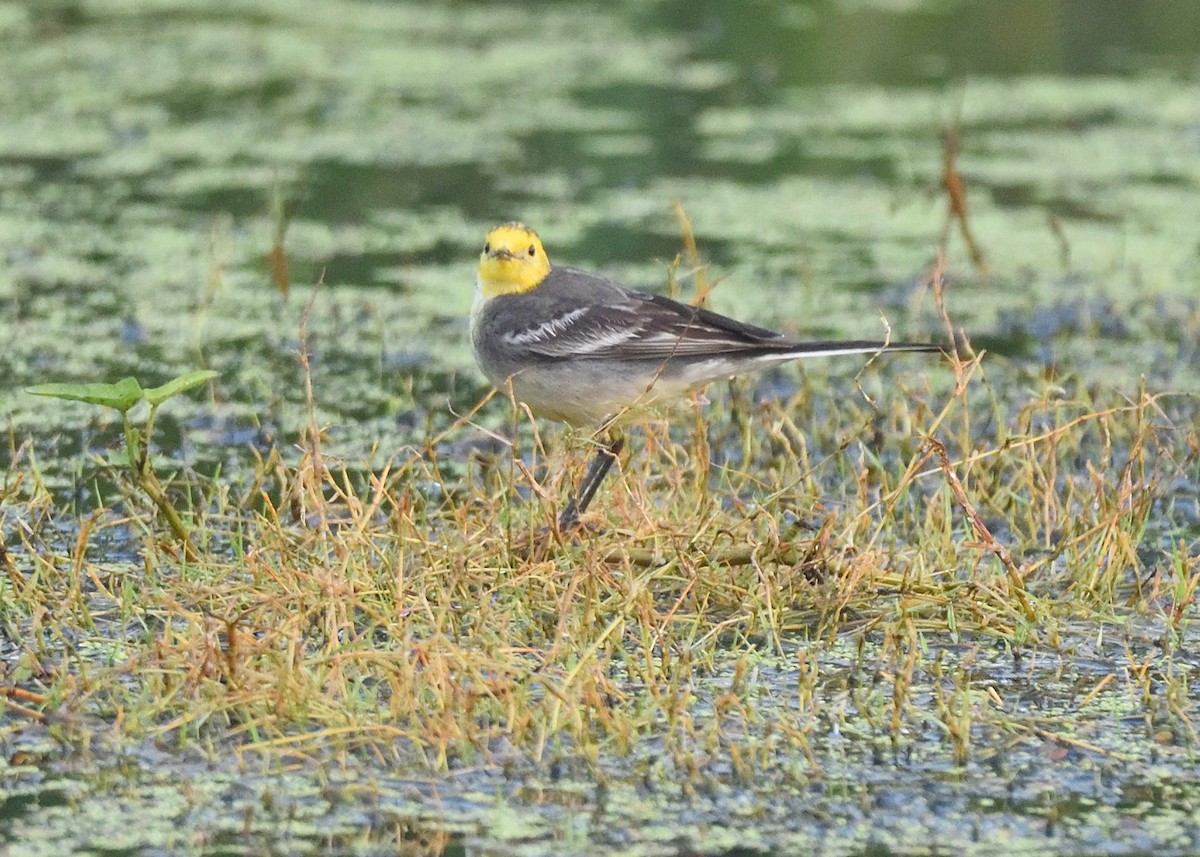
(840, 610)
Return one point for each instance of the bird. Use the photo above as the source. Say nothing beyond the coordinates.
(580, 348)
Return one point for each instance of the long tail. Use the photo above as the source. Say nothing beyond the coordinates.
(702, 370)
(851, 346)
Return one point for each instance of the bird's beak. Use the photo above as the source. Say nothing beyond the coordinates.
(501, 253)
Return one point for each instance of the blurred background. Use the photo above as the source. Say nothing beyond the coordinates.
(176, 175)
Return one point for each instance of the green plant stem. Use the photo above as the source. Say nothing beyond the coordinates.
(144, 478)
(133, 444)
(153, 489)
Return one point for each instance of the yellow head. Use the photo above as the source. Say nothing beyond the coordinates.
(513, 261)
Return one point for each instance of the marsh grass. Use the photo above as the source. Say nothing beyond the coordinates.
(425, 612)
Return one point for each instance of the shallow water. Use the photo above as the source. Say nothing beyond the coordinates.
(1086, 788)
(148, 148)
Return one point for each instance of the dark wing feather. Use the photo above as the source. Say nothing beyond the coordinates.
(604, 320)
(582, 316)
(598, 330)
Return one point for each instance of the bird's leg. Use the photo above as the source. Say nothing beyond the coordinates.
(596, 472)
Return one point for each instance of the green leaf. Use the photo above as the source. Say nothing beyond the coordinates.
(122, 395)
(157, 395)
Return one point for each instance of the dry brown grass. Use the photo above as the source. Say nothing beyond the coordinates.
(423, 611)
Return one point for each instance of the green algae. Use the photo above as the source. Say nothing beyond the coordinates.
(1028, 790)
(139, 160)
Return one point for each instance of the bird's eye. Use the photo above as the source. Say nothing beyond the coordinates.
(487, 248)
(532, 250)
